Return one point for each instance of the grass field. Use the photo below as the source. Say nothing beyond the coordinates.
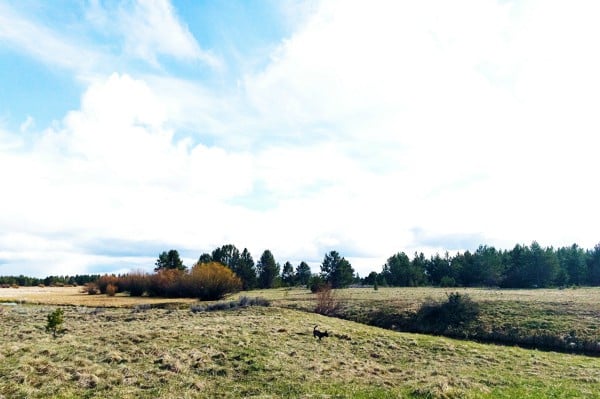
(544, 318)
(263, 352)
(74, 296)
(127, 351)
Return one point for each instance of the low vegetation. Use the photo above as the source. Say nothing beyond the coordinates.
(55, 321)
(562, 320)
(263, 352)
(205, 281)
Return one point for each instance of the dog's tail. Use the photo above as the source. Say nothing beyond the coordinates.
(315, 327)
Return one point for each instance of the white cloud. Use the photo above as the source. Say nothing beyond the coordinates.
(481, 113)
(376, 128)
(45, 44)
(150, 29)
(112, 169)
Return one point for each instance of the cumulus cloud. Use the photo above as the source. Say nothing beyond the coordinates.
(113, 169)
(373, 128)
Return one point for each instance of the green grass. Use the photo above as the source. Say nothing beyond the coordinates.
(549, 318)
(267, 353)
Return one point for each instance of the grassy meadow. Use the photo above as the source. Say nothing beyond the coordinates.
(74, 296)
(128, 351)
(528, 317)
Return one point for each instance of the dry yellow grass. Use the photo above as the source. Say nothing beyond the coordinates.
(74, 296)
(403, 297)
(267, 353)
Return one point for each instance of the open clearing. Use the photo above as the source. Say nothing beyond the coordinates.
(75, 296)
(266, 352)
(129, 352)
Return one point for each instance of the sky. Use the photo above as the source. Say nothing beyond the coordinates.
(128, 128)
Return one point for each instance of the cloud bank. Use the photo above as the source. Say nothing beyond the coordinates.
(372, 129)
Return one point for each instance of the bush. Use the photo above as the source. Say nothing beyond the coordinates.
(327, 303)
(457, 313)
(136, 283)
(167, 283)
(211, 281)
(90, 289)
(206, 281)
(316, 283)
(447, 281)
(104, 282)
(111, 290)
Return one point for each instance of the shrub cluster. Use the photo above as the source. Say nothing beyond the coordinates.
(136, 283)
(457, 313)
(205, 281)
(103, 282)
(90, 289)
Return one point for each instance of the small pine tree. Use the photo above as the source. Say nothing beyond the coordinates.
(55, 320)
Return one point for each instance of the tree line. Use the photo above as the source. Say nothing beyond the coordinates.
(524, 266)
(24, 281)
(336, 271)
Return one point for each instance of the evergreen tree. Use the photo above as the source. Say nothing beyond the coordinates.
(487, 266)
(287, 274)
(399, 271)
(543, 266)
(303, 274)
(169, 260)
(593, 265)
(336, 270)
(516, 267)
(438, 268)
(268, 270)
(245, 270)
(204, 258)
(371, 279)
(572, 263)
(227, 255)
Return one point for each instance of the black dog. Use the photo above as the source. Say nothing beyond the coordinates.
(319, 334)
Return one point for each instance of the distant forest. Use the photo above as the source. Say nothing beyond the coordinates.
(524, 266)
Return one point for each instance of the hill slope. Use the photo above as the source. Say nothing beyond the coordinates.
(266, 352)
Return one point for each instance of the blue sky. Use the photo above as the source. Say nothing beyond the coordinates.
(129, 128)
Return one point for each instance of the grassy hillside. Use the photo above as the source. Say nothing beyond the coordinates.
(565, 320)
(551, 318)
(263, 352)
